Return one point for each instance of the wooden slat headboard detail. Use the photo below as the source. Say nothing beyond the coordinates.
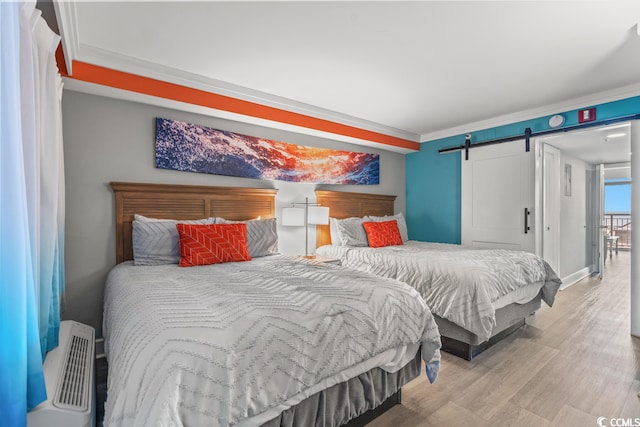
(344, 205)
(184, 202)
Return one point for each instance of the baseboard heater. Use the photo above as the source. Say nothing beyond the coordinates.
(69, 377)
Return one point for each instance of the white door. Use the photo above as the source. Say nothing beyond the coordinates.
(599, 220)
(551, 206)
(498, 197)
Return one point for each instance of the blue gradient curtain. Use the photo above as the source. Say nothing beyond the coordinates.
(31, 207)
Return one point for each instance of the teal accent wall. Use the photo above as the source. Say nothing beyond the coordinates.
(433, 192)
(434, 181)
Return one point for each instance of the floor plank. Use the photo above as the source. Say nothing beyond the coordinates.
(572, 417)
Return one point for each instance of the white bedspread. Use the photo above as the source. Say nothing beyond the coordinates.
(460, 284)
(237, 343)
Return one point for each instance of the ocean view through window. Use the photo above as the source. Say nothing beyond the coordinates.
(617, 207)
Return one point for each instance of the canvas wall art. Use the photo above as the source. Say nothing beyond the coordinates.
(194, 148)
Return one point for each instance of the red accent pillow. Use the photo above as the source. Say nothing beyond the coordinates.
(385, 233)
(204, 244)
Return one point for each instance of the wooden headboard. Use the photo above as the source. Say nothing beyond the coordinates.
(344, 205)
(184, 202)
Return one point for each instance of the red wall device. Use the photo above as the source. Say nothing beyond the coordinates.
(587, 115)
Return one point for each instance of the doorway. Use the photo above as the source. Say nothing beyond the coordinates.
(582, 220)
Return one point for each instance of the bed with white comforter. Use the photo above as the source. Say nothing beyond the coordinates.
(235, 344)
(461, 284)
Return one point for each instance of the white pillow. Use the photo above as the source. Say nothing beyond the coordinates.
(402, 224)
(352, 232)
(333, 231)
(262, 235)
(156, 242)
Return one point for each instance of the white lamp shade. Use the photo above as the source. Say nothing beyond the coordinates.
(293, 217)
(318, 215)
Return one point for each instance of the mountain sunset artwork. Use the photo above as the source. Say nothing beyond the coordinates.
(194, 148)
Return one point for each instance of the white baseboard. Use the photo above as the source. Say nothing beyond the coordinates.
(574, 278)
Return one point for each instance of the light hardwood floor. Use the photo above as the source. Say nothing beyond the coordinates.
(568, 366)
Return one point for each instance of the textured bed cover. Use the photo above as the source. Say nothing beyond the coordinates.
(460, 284)
(238, 343)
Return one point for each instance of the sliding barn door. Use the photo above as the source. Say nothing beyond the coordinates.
(498, 197)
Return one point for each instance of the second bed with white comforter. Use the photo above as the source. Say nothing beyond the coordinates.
(461, 284)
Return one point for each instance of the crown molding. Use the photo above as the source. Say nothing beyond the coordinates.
(534, 113)
(110, 92)
(67, 17)
(124, 63)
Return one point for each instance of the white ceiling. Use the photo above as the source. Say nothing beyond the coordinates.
(607, 145)
(412, 69)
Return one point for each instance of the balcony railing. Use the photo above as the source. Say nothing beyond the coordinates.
(619, 224)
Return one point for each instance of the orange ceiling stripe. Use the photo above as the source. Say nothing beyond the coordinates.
(62, 65)
(134, 83)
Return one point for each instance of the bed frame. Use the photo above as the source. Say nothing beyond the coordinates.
(184, 202)
(455, 339)
(344, 205)
(236, 203)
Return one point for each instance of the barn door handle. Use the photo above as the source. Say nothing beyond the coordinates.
(526, 220)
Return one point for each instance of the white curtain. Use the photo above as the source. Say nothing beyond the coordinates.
(31, 206)
(41, 87)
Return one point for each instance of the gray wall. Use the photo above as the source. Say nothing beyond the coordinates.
(112, 140)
